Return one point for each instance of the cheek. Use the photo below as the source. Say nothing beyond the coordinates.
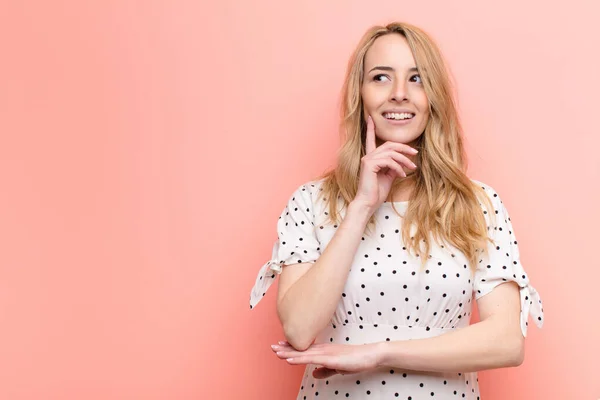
(420, 99)
(367, 99)
(373, 97)
(423, 105)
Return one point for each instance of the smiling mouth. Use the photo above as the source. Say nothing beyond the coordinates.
(398, 116)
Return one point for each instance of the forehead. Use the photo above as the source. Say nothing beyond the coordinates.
(390, 50)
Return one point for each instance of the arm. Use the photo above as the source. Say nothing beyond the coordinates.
(308, 297)
(494, 342)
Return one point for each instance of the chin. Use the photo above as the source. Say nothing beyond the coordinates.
(400, 137)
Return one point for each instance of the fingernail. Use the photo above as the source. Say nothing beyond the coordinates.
(273, 346)
(281, 343)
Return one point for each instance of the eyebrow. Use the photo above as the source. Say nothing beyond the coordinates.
(385, 68)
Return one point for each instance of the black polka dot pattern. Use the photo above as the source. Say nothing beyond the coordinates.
(503, 264)
(387, 296)
(297, 240)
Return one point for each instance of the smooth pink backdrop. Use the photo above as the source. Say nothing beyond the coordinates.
(147, 149)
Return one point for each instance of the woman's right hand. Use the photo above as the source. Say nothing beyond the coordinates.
(379, 168)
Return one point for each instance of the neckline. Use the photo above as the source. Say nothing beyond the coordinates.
(397, 202)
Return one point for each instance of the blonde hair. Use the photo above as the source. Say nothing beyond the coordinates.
(445, 202)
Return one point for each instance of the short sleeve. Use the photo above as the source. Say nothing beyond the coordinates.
(297, 241)
(503, 264)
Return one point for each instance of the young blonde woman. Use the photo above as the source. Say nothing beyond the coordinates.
(380, 258)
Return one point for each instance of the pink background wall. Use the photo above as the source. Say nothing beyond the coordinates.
(147, 149)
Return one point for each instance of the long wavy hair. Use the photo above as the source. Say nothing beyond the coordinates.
(445, 203)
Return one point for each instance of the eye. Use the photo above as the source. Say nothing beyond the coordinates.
(376, 77)
(418, 77)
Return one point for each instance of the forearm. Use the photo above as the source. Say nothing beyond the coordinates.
(481, 346)
(307, 306)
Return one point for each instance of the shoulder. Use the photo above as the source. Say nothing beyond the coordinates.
(491, 193)
(313, 186)
(498, 211)
(308, 191)
(307, 195)
(486, 187)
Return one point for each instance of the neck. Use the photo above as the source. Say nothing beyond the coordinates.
(402, 188)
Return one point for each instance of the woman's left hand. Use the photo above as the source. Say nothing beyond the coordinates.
(334, 358)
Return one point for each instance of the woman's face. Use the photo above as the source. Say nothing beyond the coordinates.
(392, 92)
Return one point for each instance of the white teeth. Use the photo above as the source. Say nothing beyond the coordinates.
(398, 115)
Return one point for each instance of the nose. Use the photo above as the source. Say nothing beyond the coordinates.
(399, 91)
